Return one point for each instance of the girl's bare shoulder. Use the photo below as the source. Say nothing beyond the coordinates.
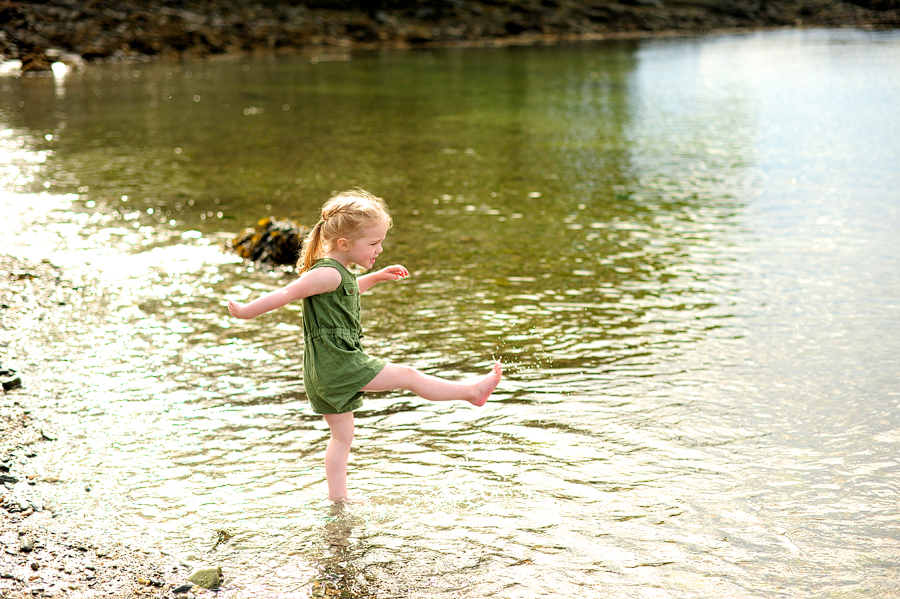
(320, 280)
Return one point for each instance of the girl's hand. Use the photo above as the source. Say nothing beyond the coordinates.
(392, 273)
(389, 273)
(236, 309)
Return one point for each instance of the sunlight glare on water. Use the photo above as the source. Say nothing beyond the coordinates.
(684, 252)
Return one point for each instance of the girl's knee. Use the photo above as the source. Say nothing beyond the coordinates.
(341, 439)
(341, 426)
(408, 372)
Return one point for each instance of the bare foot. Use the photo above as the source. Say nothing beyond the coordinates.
(355, 500)
(486, 386)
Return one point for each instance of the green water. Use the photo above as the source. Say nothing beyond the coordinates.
(684, 251)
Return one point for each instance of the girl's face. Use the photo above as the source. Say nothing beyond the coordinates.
(366, 249)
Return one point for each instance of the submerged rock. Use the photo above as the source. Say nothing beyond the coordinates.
(208, 578)
(274, 242)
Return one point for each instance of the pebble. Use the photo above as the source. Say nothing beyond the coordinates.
(26, 544)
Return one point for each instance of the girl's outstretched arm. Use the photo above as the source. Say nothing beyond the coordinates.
(388, 273)
(313, 282)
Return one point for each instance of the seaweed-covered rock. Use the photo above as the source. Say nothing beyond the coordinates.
(274, 242)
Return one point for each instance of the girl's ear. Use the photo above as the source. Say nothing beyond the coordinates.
(342, 244)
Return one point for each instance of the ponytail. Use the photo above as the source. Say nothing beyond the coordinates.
(312, 248)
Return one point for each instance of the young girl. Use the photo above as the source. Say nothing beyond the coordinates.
(336, 370)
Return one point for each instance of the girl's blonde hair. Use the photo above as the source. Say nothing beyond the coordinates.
(344, 215)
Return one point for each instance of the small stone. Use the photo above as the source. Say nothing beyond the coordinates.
(182, 589)
(26, 544)
(35, 566)
(10, 380)
(12, 383)
(208, 578)
(36, 62)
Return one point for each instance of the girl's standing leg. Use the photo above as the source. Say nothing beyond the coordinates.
(476, 391)
(337, 454)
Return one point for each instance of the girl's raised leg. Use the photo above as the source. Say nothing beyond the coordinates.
(476, 391)
(337, 454)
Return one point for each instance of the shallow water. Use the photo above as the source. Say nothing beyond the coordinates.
(684, 251)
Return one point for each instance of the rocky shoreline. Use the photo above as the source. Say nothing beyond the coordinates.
(38, 33)
(36, 560)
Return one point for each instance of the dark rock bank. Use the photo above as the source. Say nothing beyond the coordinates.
(37, 32)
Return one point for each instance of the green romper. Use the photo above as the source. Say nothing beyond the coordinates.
(335, 367)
